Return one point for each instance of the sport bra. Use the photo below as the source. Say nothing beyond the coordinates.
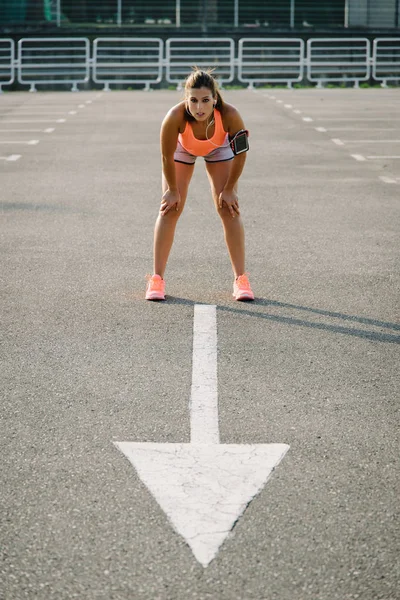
(203, 147)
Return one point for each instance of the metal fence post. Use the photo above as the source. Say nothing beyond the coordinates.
(292, 11)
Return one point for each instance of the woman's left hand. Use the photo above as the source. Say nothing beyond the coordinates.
(229, 198)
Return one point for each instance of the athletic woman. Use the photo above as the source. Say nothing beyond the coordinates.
(201, 125)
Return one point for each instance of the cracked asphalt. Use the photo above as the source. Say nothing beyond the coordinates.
(313, 362)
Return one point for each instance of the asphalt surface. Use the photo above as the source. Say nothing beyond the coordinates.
(313, 362)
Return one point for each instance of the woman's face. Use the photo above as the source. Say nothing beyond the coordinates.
(200, 103)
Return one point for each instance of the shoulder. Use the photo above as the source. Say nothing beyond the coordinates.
(176, 113)
(229, 109)
(231, 118)
(174, 119)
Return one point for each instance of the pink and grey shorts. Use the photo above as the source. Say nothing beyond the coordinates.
(220, 154)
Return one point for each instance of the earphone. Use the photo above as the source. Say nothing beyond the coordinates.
(209, 125)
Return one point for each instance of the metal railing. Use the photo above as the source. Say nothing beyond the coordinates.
(7, 51)
(270, 60)
(127, 61)
(53, 61)
(132, 61)
(183, 53)
(338, 59)
(386, 60)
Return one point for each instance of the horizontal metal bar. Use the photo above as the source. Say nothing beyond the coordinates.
(68, 59)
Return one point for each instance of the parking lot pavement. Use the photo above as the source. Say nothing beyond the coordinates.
(310, 366)
(364, 122)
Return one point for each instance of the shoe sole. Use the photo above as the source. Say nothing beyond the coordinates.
(155, 297)
(243, 297)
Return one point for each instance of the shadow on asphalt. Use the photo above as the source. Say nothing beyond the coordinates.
(245, 309)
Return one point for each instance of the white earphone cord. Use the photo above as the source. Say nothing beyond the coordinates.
(208, 139)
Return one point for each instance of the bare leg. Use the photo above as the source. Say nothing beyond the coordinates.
(164, 230)
(233, 227)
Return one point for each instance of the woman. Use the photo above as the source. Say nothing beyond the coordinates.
(201, 125)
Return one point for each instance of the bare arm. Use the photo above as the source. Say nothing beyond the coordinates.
(235, 124)
(236, 171)
(168, 140)
(228, 194)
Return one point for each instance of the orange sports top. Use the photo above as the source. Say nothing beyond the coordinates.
(203, 147)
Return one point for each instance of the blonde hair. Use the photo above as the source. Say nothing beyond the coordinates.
(199, 78)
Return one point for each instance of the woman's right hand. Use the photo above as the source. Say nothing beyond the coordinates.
(170, 199)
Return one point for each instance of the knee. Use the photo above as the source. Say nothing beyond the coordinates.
(171, 216)
(224, 213)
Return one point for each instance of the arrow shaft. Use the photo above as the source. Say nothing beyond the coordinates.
(204, 428)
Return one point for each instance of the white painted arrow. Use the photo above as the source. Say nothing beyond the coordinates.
(204, 486)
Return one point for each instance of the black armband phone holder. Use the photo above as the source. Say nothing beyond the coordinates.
(240, 143)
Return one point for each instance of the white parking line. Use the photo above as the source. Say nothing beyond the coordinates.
(287, 105)
(337, 142)
(322, 129)
(44, 113)
(45, 106)
(49, 130)
(11, 157)
(33, 121)
(308, 119)
(372, 141)
(356, 119)
(387, 179)
(382, 157)
(361, 129)
(29, 143)
(370, 114)
(297, 111)
(359, 157)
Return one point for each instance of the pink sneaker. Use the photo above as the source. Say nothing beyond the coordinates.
(155, 288)
(242, 289)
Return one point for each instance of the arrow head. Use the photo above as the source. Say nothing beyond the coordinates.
(203, 489)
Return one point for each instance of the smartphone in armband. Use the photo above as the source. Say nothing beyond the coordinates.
(240, 143)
